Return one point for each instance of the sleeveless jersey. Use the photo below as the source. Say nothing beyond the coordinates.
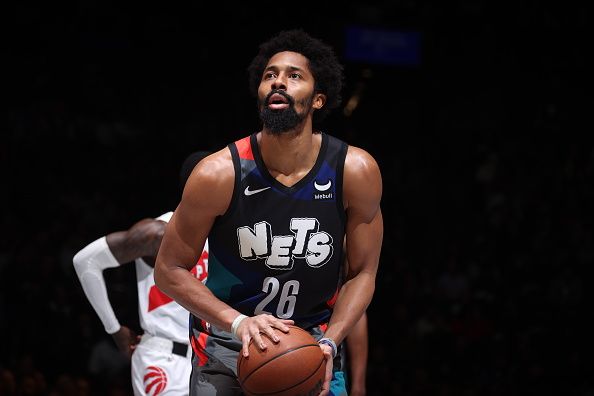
(279, 249)
(159, 314)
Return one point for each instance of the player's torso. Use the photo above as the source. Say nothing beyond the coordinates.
(278, 249)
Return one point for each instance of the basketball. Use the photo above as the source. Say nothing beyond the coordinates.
(294, 366)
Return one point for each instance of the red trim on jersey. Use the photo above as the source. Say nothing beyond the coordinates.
(199, 346)
(157, 298)
(332, 301)
(205, 325)
(244, 148)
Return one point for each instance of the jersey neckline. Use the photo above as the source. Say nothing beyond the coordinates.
(275, 183)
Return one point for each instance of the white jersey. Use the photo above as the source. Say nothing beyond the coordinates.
(159, 314)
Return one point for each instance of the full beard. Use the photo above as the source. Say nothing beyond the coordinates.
(281, 121)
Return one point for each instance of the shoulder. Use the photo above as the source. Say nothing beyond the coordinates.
(360, 164)
(217, 161)
(211, 180)
(362, 178)
(212, 170)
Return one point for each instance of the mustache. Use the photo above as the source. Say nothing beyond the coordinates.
(280, 92)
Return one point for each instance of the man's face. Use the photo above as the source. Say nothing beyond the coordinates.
(286, 92)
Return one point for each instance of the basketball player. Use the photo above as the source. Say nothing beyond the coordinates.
(280, 202)
(161, 361)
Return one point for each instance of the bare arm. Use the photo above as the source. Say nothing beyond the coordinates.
(357, 351)
(364, 233)
(186, 235)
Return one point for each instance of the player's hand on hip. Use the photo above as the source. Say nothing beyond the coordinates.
(327, 350)
(126, 340)
(254, 327)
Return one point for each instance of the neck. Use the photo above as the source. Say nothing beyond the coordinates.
(290, 155)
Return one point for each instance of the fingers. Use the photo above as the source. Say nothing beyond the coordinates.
(328, 379)
(327, 350)
(261, 329)
(285, 323)
(245, 345)
(271, 333)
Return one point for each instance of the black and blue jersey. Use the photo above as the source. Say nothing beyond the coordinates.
(279, 249)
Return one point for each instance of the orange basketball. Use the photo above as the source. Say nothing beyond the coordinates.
(294, 366)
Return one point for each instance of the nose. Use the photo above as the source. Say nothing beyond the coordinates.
(280, 82)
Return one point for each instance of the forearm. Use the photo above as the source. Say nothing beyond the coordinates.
(179, 284)
(357, 345)
(353, 300)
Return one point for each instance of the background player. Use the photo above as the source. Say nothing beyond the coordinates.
(161, 357)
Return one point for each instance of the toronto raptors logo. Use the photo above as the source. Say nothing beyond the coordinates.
(155, 380)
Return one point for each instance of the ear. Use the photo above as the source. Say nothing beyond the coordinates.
(319, 101)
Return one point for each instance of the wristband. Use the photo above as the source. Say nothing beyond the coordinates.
(236, 323)
(329, 341)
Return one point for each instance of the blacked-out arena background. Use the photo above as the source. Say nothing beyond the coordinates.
(478, 112)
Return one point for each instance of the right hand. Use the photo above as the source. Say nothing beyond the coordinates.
(255, 326)
(126, 340)
(327, 350)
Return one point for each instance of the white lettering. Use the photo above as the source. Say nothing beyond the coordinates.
(320, 247)
(280, 251)
(281, 258)
(254, 243)
(301, 228)
(323, 196)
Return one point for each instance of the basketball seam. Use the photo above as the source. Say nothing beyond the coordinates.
(241, 357)
(292, 386)
(276, 357)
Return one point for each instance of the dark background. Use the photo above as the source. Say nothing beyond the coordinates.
(484, 147)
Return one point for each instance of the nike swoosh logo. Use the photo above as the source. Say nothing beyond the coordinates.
(322, 187)
(249, 192)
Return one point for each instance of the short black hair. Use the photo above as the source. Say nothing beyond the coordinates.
(188, 166)
(328, 72)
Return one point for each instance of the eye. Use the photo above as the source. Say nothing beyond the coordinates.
(269, 75)
(295, 75)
